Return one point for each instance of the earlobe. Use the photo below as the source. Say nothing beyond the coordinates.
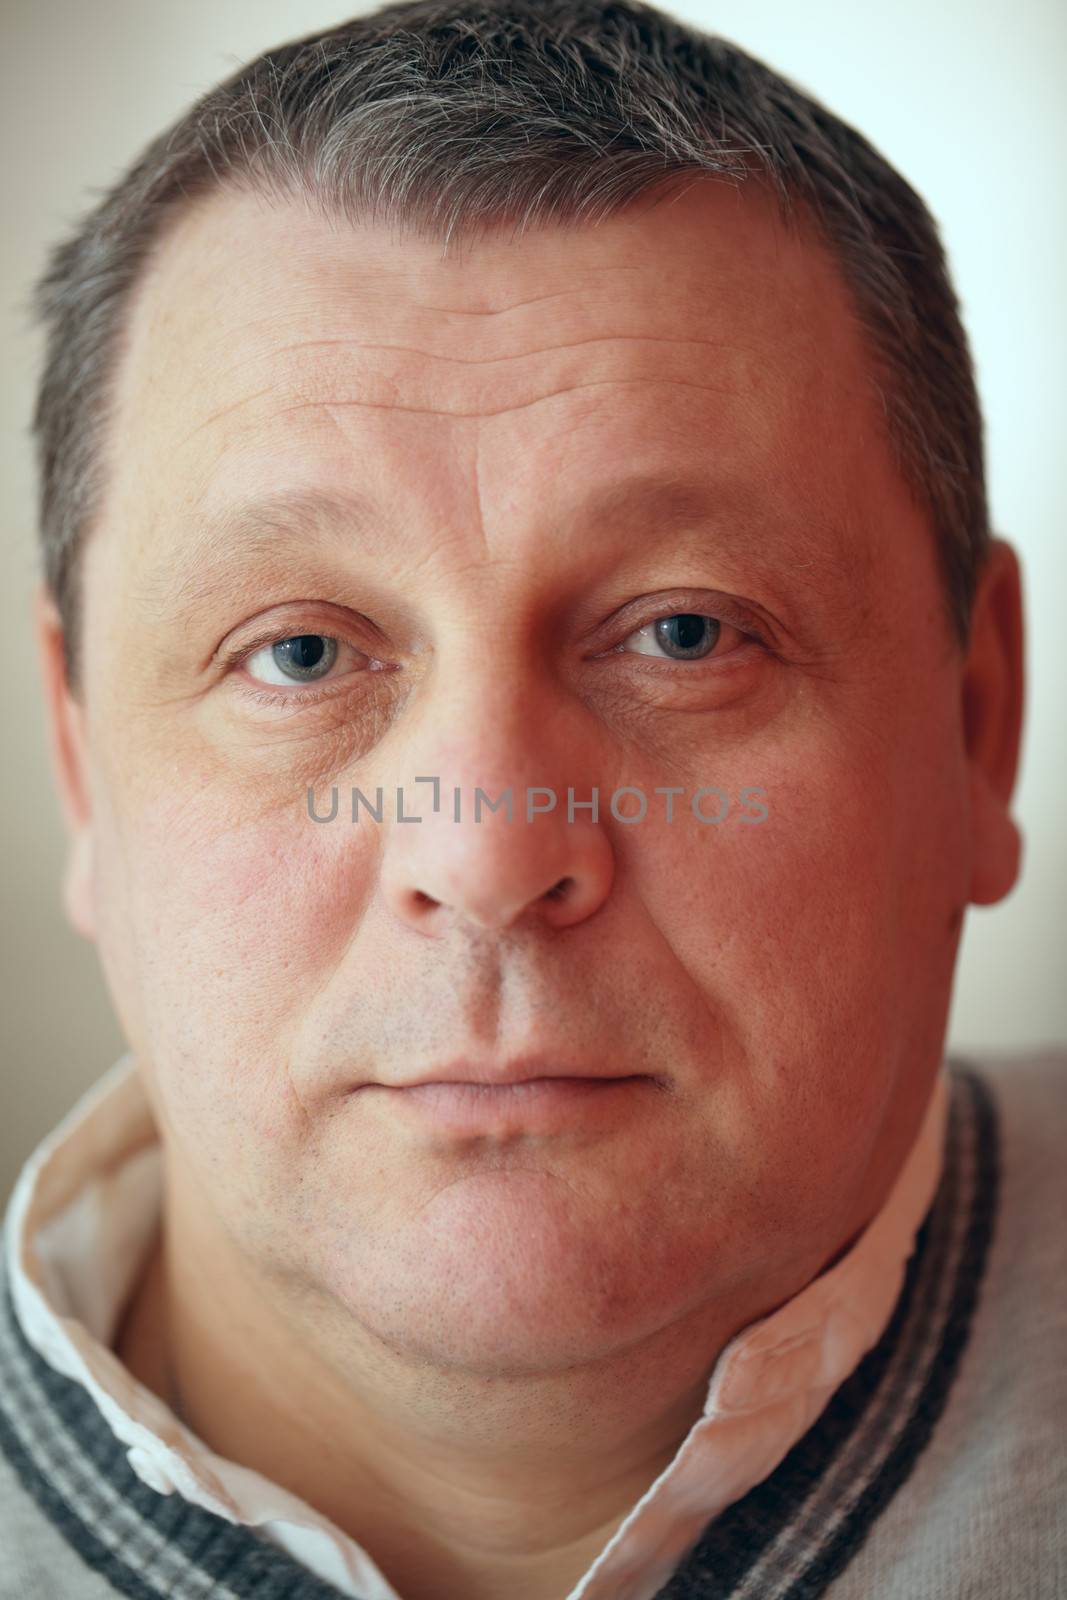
(78, 901)
(997, 843)
(992, 711)
(67, 747)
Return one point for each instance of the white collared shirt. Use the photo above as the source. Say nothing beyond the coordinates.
(83, 1218)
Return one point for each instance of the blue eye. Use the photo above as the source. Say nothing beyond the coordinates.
(304, 658)
(686, 634)
(683, 636)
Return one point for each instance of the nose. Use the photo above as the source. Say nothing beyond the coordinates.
(468, 862)
(493, 873)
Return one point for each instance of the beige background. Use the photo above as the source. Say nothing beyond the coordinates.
(964, 98)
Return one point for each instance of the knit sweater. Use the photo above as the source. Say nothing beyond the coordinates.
(938, 1468)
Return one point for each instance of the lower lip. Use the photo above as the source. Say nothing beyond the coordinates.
(540, 1105)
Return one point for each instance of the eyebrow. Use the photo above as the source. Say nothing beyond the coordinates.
(733, 515)
(255, 528)
(311, 511)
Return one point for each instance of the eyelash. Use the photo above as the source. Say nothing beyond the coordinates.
(264, 694)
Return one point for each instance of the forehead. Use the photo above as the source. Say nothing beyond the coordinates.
(696, 327)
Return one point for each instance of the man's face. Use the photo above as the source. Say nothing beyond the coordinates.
(502, 419)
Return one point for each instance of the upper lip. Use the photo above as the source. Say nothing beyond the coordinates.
(519, 1069)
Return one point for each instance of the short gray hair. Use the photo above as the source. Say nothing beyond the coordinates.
(453, 117)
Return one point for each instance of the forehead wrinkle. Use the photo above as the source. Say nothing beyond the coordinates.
(500, 411)
(389, 381)
(499, 311)
(224, 411)
(271, 321)
(428, 356)
(484, 361)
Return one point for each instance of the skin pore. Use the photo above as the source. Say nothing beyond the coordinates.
(475, 1353)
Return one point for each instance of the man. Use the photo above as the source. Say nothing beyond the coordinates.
(543, 402)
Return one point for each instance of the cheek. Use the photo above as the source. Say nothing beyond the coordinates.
(232, 917)
(790, 926)
(806, 878)
(227, 874)
(218, 934)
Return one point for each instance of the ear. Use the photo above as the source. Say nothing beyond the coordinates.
(993, 691)
(68, 747)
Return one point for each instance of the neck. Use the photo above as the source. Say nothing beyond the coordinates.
(456, 1485)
